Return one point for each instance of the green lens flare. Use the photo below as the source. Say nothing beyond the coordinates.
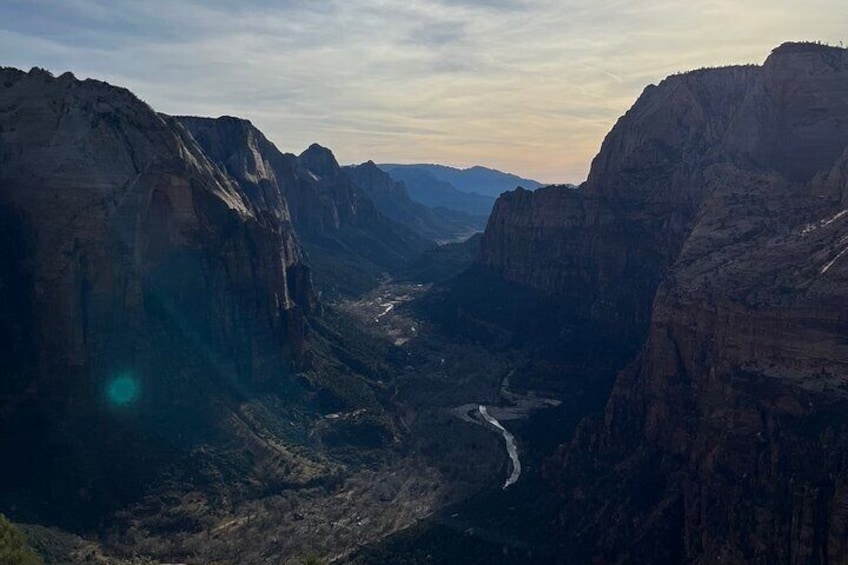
(123, 390)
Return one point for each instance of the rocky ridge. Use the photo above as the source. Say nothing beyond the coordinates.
(392, 199)
(350, 243)
(477, 179)
(427, 188)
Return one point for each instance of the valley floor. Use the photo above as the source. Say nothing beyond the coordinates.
(443, 456)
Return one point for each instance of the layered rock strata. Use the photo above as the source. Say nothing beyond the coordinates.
(713, 223)
(349, 242)
(144, 293)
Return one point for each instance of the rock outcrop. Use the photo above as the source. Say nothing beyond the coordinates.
(712, 224)
(144, 295)
(349, 243)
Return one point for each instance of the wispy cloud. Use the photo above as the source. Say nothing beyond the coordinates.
(530, 86)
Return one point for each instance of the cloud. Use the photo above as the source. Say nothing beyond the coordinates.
(525, 86)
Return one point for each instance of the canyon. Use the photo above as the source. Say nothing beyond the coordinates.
(663, 343)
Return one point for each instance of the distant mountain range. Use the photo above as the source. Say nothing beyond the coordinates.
(392, 199)
(482, 180)
(472, 191)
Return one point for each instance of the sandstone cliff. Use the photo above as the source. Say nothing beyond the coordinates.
(144, 296)
(713, 225)
(349, 243)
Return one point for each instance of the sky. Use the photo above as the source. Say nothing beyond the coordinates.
(525, 86)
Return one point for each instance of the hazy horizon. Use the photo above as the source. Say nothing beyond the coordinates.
(529, 88)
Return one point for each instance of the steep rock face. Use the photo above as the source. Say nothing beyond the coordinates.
(247, 156)
(348, 241)
(565, 242)
(627, 222)
(391, 198)
(724, 438)
(329, 190)
(560, 256)
(647, 183)
(141, 291)
(377, 183)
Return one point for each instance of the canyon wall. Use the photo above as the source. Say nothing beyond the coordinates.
(712, 223)
(144, 294)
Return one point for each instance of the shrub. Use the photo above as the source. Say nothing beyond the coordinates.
(13, 546)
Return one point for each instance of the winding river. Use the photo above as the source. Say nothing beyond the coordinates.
(510, 446)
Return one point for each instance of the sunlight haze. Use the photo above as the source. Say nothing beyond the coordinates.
(525, 87)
